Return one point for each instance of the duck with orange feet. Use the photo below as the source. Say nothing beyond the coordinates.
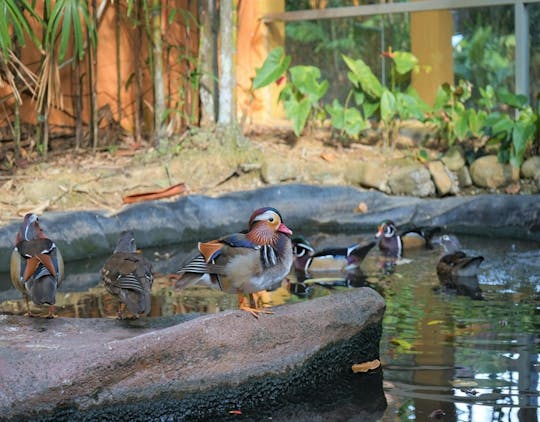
(128, 275)
(36, 265)
(244, 263)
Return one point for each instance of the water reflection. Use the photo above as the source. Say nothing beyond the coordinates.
(442, 351)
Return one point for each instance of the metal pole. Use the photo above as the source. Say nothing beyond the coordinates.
(521, 22)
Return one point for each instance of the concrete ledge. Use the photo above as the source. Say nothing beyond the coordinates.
(306, 209)
(90, 368)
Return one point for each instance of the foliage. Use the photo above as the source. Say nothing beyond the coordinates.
(485, 58)
(302, 91)
(391, 104)
(513, 135)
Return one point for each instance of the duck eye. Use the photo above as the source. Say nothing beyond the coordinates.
(271, 219)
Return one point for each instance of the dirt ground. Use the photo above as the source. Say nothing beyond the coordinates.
(84, 180)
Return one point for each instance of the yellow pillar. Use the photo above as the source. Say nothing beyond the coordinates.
(255, 40)
(431, 42)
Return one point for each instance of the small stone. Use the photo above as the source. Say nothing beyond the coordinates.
(530, 169)
(464, 177)
(453, 158)
(444, 180)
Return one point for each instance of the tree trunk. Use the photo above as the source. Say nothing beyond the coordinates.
(227, 82)
(138, 75)
(118, 28)
(208, 62)
(93, 86)
(77, 105)
(160, 139)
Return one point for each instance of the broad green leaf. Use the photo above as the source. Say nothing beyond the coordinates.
(354, 122)
(513, 100)
(370, 108)
(476, 121)
(504, 125)
(362, 75)
(522, 134)
(441, 98)
(404, 61)
(411, 106)
(388, 105)
(337, 114)
(273, 67)
(461, 127)
(298, 112)
(305, 78)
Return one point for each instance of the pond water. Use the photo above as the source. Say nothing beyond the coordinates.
(469, 358)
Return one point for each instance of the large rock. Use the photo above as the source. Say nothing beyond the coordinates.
(412, 180)
(101, 369)
(488, 172)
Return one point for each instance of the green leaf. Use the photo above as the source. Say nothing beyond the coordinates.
(361, 75)
(404, 61)
(476, 121)
(441, 98)
(273, 67)
(522, 134)
(504, 125)
(411, 106)
(370, 108)
(337, 114)
(514, 100)
(305, 78)
(298, 112)
(461, 125)
(388, 105)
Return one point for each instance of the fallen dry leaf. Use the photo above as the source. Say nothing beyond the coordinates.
(362, 208)
(328, 157)
(366, 366)
(173, 190)
(513, 188)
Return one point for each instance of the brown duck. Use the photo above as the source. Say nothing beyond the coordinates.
(128, 275)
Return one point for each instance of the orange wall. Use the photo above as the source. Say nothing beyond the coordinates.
(183, 47)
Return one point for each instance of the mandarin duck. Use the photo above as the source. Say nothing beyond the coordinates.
(338, 259)
(455, 268)
(392, 243)
(36, 265)
(244, 263)
(128, 275)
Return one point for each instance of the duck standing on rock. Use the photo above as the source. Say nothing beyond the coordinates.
(36, 265)
(244, 263)
(128, 275)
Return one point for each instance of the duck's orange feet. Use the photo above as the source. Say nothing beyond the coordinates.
(51, 314)
(253, 311)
